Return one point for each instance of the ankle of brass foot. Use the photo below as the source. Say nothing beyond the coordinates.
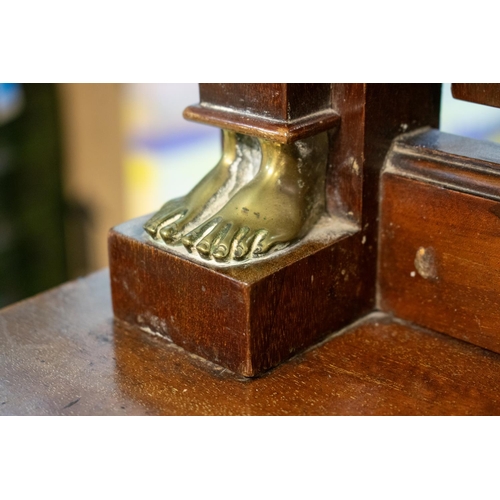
(295, 175)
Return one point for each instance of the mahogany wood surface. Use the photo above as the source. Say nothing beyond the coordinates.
(247, 317)
(480, 93)
(61, 354)
(440, 236)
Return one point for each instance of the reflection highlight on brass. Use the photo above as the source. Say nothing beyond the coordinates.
(262, 212)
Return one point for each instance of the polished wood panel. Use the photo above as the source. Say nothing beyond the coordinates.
(440, 236)
(61, 354)
(480, 93)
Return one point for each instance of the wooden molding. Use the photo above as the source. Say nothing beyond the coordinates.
(277, 130)
(440, 236)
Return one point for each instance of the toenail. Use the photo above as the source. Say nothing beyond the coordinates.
(221, 250)
(204, 247)
(166, 233)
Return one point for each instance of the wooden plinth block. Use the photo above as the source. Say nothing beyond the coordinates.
(248, 317)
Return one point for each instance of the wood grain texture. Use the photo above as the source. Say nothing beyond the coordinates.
(440, 236)
(480, 93)
(61, 354)
(248, 317)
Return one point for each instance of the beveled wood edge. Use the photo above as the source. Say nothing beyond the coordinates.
(285, 132)
(423, 155)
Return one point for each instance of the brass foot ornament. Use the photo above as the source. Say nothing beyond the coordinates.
(234, 169)
(261, 212)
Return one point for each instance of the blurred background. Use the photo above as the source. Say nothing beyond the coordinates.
(77, 159)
